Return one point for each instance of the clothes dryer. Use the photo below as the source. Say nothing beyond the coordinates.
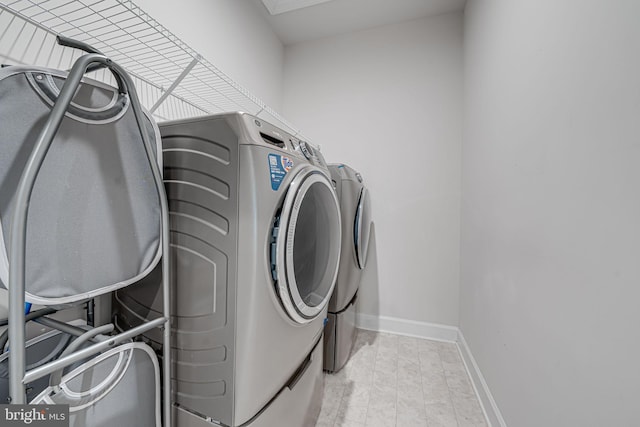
(256, 235)
(355, 206)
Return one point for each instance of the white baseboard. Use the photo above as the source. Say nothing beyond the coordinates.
(412, 328)
(489, 406)
(437, 332)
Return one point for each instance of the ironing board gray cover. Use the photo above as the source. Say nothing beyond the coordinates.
(94, 217)
(120, 387)
(39, 350)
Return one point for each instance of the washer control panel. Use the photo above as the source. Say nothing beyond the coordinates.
(307, 150)
(278, 138)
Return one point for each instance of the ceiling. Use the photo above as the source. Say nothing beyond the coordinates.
(295, 21)
(276, 7)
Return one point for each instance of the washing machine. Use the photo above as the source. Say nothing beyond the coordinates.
(355, 205)
(256, 239)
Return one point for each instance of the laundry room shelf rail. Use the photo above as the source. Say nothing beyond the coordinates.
(168, 74)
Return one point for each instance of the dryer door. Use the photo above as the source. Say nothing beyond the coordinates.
(307, 245)
(362, 227)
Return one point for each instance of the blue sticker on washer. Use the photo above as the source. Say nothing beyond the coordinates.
(278, 168)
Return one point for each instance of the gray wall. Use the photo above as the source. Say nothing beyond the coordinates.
(232, 35)
(388, 101)
(550, 278)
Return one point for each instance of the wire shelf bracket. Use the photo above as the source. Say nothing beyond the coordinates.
(175, 84)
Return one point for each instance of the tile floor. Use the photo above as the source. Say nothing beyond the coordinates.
(392, 381)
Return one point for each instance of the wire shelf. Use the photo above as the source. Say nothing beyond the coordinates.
(153, 55)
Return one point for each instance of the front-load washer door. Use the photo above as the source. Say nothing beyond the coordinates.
(362, 227)
(307, 245)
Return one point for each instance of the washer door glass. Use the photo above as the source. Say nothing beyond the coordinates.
(308, 245)
(362, 228)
